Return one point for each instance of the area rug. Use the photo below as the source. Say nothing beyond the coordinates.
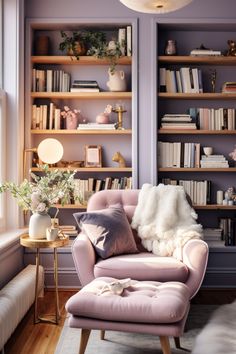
(129, 343)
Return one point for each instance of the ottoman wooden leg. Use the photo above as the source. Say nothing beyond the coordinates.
(165, 345)
(102, 334)
(84, 340)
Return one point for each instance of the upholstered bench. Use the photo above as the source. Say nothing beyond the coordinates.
(131, 306)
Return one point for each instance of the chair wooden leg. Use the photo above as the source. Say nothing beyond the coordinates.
(165, 345)
(177, 342)
(102, 334)
(84, 340)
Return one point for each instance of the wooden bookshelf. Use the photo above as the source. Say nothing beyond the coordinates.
(87, 169)
(197, 96)
(71, 60)
(196, 132)
(81, 132)
(182, 169)
(71, 206)
(215, 207)
(83, 95)
(207, 60)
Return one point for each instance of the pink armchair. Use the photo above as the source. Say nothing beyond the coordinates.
(188, 267)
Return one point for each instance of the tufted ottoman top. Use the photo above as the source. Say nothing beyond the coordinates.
(142, 301)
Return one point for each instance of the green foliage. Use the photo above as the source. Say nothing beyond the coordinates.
(43, 191)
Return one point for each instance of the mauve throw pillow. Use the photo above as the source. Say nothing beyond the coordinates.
(108, 230)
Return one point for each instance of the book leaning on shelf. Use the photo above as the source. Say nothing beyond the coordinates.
(184, 80)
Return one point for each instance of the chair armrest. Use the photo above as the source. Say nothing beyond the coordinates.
(195, 256)
(84, 258)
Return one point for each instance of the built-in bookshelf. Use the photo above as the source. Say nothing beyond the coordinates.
(49, 90)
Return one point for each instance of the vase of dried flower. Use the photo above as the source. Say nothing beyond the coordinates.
(38, 224)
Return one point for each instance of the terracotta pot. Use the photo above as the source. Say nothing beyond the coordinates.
(79, 49)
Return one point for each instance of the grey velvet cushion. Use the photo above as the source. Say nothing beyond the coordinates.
(108, 230)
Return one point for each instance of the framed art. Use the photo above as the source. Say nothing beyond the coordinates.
(93, 156)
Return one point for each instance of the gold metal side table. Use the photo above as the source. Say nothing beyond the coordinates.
(43, 243)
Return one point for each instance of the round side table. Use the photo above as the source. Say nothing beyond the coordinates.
(38, 244)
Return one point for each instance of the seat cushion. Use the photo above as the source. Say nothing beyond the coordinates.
(143, 302)
(142, 266)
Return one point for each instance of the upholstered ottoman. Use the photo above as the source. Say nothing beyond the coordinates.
(133, 306)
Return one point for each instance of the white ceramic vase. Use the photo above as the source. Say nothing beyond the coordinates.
(38, 224)
(117, 81)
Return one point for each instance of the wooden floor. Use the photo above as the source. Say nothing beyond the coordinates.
(42, 338)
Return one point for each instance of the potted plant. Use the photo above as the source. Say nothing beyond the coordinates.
(74, 44)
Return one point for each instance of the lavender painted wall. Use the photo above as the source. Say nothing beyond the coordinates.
(198, 9)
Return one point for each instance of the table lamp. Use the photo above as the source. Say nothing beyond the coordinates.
(49, 151)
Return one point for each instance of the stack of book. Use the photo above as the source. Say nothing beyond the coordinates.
(205, 52)
(97, 126)
(69, 230)
(178, 121)
(214, 161)
(212, 234)
(85, 86)
(229, 87)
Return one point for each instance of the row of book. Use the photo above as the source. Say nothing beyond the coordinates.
(50, 81)
(178, 121)
(125, 40)
(178, 154)
(46, 117)
(201, 118)
(198, 191)
(84, 188)
(228, 226)
(184, 80)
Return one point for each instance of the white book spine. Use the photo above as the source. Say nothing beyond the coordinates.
(129, 41)
(122, 39)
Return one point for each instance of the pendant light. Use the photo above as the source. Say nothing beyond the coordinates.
(155, 6)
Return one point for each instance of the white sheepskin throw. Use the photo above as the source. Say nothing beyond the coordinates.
(218, 336)
(164, 219)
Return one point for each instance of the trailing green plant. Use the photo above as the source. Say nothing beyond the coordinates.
(110, 51)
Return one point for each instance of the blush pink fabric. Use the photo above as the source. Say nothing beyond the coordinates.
(142, 266)
(187, 266)
(142, 302)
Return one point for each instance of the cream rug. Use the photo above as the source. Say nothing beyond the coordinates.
(129, 343)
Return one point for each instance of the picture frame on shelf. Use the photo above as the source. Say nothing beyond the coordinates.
(93, 156)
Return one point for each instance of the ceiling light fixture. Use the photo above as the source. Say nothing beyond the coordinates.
(155, 6)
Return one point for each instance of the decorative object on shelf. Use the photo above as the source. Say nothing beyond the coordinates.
(117, 81)
(74, 44)
(49, 151)
(103, 118)
(71, 117)
(119, 110)
(41, 45)
(203, 51)
(171, 48)
(232, 48)
(213, 80)
(39, 195)
(233, 154)
(208, 150)
(158, 6)
(93, 156)
(118, 157)
(219, 197)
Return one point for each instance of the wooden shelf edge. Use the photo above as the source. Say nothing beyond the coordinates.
(71, 60)
(211, 60)
(196, 132)
(83, 95)
(87, 169)
(198, 96)
(71, 206)
(81, 132)
(215, 207)
(230, 169)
